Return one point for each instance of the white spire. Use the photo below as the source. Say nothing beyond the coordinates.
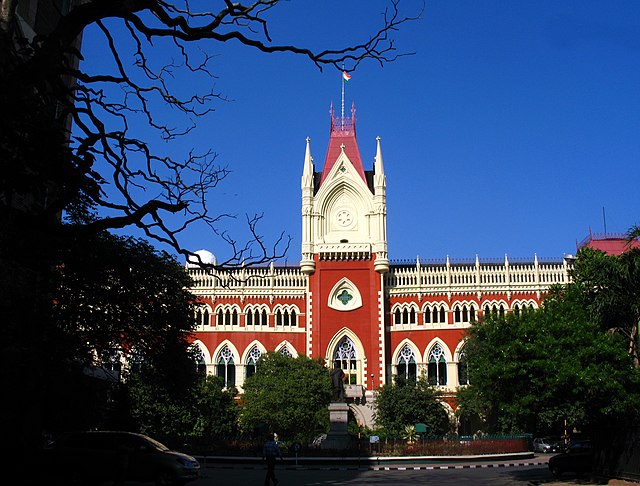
(308, 160)
(378, 165)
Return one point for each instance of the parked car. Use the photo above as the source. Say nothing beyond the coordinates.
(545, 444)
(577, 459)
(95, 457)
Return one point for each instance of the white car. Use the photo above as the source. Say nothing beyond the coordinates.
(544, 445)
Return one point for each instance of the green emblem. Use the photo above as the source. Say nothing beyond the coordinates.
(345, 297)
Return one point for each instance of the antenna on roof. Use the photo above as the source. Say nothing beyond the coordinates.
(604, 220)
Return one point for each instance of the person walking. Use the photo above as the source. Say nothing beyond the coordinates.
(270, 452)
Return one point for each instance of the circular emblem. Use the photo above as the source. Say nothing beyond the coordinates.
(344, 218)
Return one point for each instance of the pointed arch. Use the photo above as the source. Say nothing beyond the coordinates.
(286, 348)
(405, 361)
(252, 354)
(253, 344)
(346, 351)
(226, 358)
(206, 355)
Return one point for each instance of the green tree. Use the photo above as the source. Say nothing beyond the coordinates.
(120, 300)
(207, 410)
(611, 287)
(529, 372)
(289, 396)
(403, 404)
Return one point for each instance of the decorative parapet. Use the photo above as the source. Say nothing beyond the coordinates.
(271, 280)
(479, 276)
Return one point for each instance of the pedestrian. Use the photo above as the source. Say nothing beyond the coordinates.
(270, 452)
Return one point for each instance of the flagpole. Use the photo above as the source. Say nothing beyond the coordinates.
(342, 77)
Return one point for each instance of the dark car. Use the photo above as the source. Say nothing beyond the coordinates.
(577, 459)
(96, 457)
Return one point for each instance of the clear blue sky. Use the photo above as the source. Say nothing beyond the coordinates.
(508, 131)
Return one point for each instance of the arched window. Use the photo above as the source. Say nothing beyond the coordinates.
(346, 357)
(201, 364)
(284, 351)
(465, 314)
(278, 317)
(516, 309)
(412, 316)
(220, 318)
(294, 318)
(463, 368)
(427, 316)
(437, 368)
(407, 367)
(457, 315)
(264, 320)
(248, 320)
(205, 317)
(226, 368)
(252, 361)
(397, 317)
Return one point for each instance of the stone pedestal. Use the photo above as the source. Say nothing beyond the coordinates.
(338, 436)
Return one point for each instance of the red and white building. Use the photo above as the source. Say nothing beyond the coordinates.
(346, 301)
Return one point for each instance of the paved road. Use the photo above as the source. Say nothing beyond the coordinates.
(480, 475)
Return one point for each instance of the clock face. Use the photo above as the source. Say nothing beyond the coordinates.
(344, 218)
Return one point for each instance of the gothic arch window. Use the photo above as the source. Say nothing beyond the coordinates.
(201, 364)
(463, 368)
(252, 361)
(225, 367)
(464, 313)
(285, 351)
(227, 315)
(346, 357)
(404, 314)
(255, 316)
(202, 316)
(407, 366)
(437, 366)
(286, 317)
(435, 314)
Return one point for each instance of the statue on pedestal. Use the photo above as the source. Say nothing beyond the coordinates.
(337, 381)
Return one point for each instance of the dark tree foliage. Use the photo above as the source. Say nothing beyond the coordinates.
(289, 396)
(124, 300)
(110, 164)
(204, 412)
(611, 288)
(531, 372)
(403, 404)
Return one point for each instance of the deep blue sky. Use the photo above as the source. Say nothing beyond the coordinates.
(508, 131)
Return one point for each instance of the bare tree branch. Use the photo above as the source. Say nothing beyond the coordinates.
(108, 165)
